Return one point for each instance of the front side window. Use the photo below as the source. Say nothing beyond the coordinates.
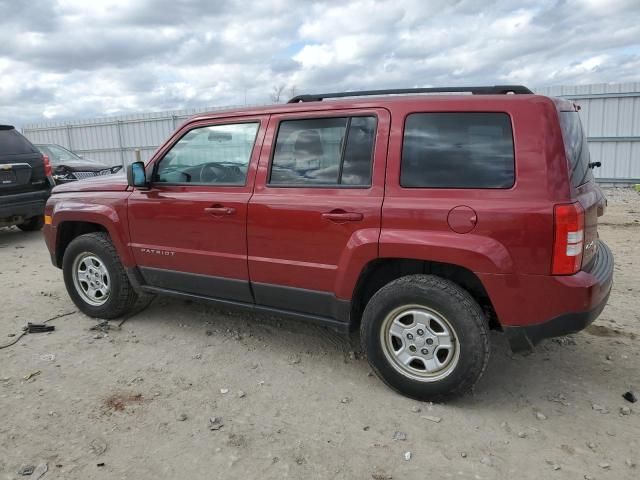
(324, 152)
(457, 150)
(216, 155)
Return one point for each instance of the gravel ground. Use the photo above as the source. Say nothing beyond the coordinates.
(184, 390)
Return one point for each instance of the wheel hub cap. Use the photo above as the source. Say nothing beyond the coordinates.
(91, 279)
(420, 343)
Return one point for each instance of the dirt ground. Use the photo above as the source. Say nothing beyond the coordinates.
(293, 400)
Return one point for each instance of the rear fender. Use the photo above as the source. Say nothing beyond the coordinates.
(476, 253)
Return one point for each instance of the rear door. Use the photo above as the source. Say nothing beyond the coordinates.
(582, 181)
(316, 205)
(21, 164)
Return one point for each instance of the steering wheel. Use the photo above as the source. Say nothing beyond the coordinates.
(211, 173)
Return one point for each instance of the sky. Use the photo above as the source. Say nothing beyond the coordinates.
(73, 59)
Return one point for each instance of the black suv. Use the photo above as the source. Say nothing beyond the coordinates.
(25, 181)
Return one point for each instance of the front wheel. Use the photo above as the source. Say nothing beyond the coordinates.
(425, 337)
(96, 280)
(33, 224)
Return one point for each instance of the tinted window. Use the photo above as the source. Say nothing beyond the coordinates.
(13, 143)
(457, 150)
(575, 144)
(324, 151)
(216, 155)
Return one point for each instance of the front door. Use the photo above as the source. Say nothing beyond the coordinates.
(315, 212)
(188, 231)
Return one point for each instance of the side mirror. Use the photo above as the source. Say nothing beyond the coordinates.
(136, 176)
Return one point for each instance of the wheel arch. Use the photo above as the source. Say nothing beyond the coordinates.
(379, 272)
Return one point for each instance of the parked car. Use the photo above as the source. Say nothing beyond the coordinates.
(25, 181)
(69, 167)
(424, 221)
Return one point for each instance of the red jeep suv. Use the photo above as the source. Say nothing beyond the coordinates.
(423, 220)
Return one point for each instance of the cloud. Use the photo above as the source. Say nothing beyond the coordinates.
(76, 59)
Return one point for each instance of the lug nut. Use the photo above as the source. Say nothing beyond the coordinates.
(412, 348)
(420, 332)
(429, 341)
(410, 336)
(425, 351)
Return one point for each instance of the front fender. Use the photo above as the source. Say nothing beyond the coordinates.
(110, 213)
(476, 253)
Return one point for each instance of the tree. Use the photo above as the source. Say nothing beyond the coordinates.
(276, 93)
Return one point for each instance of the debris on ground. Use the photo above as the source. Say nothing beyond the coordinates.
(215, 423)
(39, 471)
(400, 436)
(486, 461)
(103, 326)
(416, 409)
(432, 418)
(30, 375)
(522, 434)
(604, 465)
(630, 396)
(224, 391)
(625, 411)
(407, 456)
(182, 417)
(294, 359)
(98, 446)
(26, 470)
(553, 465)
(241, 394)
(600, 408)
(346, 400)
(541, 416)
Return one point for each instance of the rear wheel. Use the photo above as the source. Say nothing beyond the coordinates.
(425, 337)
(32, 224)
(96, 280)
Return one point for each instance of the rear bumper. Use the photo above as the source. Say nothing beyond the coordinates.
(26, 205)
(533, 307)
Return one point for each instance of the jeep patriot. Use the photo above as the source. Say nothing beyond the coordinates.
(422, 220)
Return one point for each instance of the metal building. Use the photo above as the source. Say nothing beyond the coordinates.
(610, 114)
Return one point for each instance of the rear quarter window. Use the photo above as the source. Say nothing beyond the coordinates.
(576, 148)
(13, 143)
(457, 150)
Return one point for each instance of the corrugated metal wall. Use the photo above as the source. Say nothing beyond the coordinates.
(611, 116)
(113, 140)
(610, 113)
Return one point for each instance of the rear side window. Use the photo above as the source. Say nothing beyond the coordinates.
(457, 150)
(576, 147)
(13, 143)
(324, 152)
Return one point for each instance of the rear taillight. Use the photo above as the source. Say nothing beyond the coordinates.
(47, 166)
(569, 239)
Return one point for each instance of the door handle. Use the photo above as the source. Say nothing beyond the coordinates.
(342, 216)
(217, 210)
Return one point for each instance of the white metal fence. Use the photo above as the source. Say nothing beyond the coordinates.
(610, 114)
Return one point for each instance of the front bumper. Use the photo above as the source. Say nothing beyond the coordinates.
(597, 289)
(23, 205)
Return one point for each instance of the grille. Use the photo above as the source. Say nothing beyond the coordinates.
(83, 175)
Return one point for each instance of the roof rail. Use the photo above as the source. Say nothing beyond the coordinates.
(490, 90)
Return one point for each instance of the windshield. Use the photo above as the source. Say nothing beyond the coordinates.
(57, 153)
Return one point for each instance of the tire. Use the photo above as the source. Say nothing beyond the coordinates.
(118, 297)
(446, 368)
(33, 224)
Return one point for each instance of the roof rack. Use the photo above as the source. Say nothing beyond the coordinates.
(494, 90)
